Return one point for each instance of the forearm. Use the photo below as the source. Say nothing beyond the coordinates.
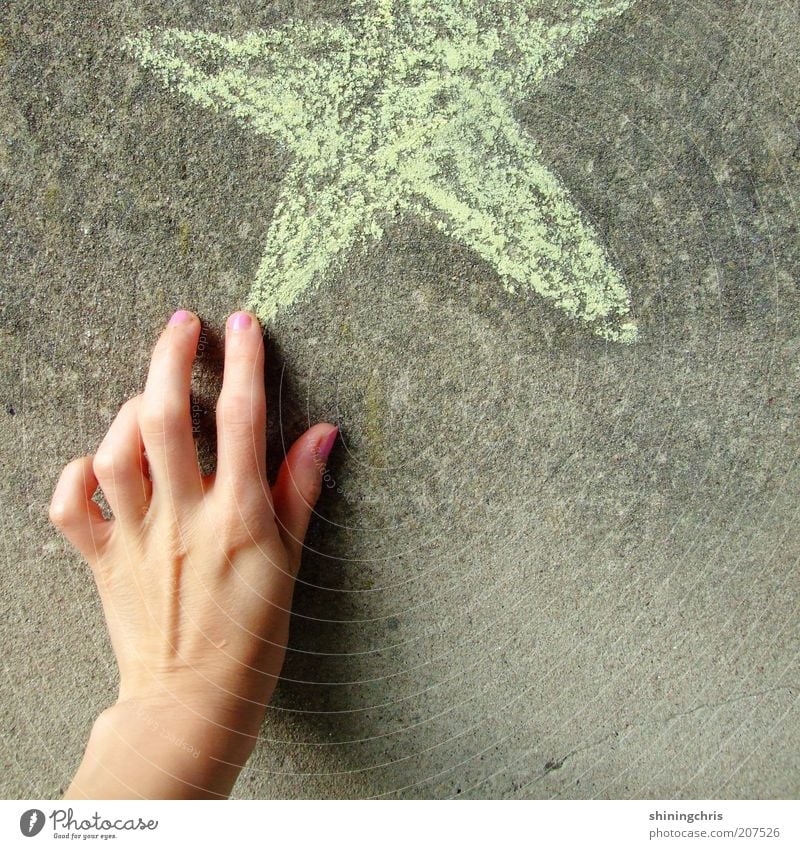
(135, 751)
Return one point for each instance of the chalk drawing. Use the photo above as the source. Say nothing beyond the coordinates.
(407, 109)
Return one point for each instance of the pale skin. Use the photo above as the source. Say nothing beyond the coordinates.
(195, 574)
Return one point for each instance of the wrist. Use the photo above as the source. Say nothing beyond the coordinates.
(173, 750)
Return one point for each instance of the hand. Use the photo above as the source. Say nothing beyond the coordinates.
(195, 574)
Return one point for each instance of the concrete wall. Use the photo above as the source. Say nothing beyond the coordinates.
(548, 565)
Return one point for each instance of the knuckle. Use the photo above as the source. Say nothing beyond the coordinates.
(103, 465)
(58, 513)
(240, 534)
(241, 412)
(245, 518)
(175, 411)
(60, 509)
(151, 419)
(158, 417)
(132, 404)
(174, 540)
(77, 464)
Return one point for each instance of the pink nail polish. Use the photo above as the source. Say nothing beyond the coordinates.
(326, 446)
(239, 321)
(179, 317)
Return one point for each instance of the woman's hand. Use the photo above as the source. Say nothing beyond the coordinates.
(195, 574)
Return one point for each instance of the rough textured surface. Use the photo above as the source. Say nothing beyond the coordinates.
(546, 565)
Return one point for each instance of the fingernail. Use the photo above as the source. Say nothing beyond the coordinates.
(326, 446)
(239, 321)
(179, 317)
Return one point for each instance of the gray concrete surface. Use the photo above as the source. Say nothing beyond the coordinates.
(555, 567)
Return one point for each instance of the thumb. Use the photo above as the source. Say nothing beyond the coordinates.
(299, 484)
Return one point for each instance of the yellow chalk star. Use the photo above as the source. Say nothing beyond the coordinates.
(408, 109)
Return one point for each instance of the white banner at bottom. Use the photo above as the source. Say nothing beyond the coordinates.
(355, 824)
